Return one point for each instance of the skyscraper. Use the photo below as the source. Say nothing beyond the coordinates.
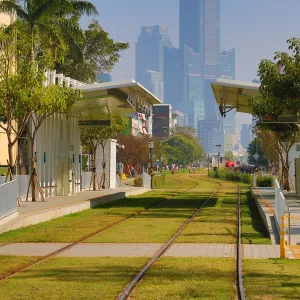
(227, 71)
(150, 52)
(154, 82)
(227, 64)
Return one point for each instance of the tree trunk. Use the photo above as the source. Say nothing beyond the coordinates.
(103, 165)
(10, 159)
(32, 170)
(94, 168)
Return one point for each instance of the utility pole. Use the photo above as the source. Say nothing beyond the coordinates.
(218, 155)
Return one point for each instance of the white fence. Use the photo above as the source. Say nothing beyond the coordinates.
(86, 179)
(280, 204)
(22, 184)
(8, 198)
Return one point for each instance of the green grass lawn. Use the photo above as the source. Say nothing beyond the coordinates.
(72, 227)
(11, 263)
(253, 228)
(156, 225)
(188, 278)
(72, 278)
(185, 181)
(272, 279)
(215, 223)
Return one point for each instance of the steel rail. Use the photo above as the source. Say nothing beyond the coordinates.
(239, 263)
(71, 245)
(126, 293)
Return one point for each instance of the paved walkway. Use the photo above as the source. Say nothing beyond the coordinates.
(266, 199)
(53, 207)
(139, 250)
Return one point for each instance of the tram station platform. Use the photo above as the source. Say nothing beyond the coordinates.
(265, 199)
(30, 213)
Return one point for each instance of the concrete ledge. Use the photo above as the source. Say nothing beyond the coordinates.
(24, 220)
(267, 217)
(8, 218)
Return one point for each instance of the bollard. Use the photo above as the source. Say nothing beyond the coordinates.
(282, 238)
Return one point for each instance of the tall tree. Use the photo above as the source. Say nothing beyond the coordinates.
(37, 14)
(94, 136)
(255, 147)
(280, 88)
(100, 54)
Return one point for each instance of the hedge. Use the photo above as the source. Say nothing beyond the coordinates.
(264, 181)
(239, 177)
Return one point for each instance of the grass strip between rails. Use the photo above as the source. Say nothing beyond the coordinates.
(188, 278)
(156, 225)
(253, 228)
(72, 278)
(215, 223)
(185, 181)
(10, 263)
(272, 279)
(75, 226)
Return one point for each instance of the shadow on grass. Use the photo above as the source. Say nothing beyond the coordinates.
(251, 216)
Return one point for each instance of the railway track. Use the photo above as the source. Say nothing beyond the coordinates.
(65, 248)
(126, 293)
(238, 258)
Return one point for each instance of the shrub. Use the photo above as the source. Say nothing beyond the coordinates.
(239, 177)
(264, 181)
(138, 182)
(158, 181)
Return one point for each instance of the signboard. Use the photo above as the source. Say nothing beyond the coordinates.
(256, 156)
(281, 119)
(104, 123)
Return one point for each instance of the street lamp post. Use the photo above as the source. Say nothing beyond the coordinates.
(218, 155)
(151, 146)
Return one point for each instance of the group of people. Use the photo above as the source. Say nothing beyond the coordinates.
(249, 169)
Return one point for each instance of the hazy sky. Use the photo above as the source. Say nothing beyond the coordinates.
(255, 28)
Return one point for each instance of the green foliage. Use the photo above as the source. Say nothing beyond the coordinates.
(93, 136)
(264, 181)
(159, 181)
(239, 177)
(138, 182)
(229, 156)
(280, 90)
(181, 150)
(100, 54)
(255, 146)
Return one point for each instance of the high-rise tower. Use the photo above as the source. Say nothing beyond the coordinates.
(150, 53)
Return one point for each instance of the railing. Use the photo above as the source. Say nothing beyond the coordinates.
(8, 198)
(280, 205)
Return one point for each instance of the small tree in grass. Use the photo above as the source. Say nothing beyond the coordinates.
(94, 136)
(45, 102)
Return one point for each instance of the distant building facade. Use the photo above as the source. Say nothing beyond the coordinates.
(245, 135)
(154, 82)
(211, 133)
(182, 118)
(162, 120)
(227, 71)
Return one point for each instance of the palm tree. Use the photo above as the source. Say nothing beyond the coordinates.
(40, 13)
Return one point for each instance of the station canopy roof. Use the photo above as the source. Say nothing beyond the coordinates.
(234, 94)
(117, 98)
